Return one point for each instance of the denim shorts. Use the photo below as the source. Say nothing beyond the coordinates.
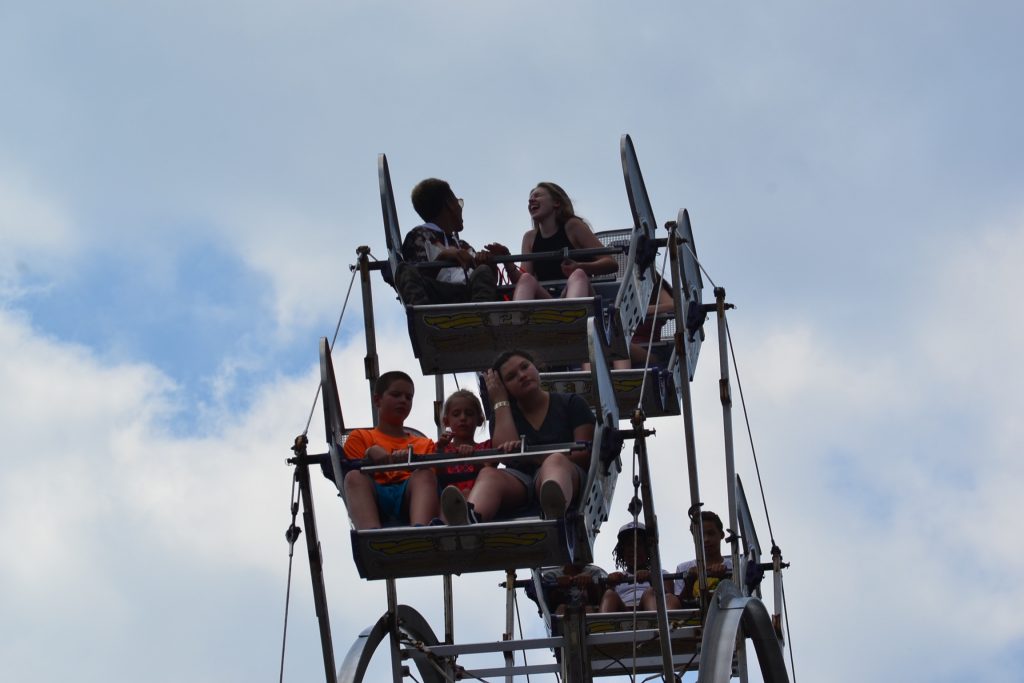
(390, 499)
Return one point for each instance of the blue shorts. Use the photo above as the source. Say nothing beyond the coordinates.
(390, 499)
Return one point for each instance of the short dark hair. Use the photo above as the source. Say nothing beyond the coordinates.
(385, 381)
(430, 196)
(709, 516)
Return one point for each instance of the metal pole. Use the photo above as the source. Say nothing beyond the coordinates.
(686, 408)
(653, 544)
(510, 597)
(370, 363)
(449, 622)
(316, 562)
(393, 633)
(777, 590)
(725, 392)
(438, 402)
(575, 662)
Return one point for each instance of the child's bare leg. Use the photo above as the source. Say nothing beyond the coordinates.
(649, 601)
(578, 285)
(529, 288)
(611, 602)
(361, 500)
(557, 467)
(494, 490)
(421, 497)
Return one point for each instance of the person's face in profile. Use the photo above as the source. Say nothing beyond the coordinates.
(541, 204)
(453, 215)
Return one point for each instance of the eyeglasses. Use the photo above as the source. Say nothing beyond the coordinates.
(462, 202)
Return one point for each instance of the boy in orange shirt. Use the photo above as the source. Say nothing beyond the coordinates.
(400, 496)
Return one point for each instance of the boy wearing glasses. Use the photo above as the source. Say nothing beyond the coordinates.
(471, 277)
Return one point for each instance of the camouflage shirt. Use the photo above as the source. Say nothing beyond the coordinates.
(425, 242)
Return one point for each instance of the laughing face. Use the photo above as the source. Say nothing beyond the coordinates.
(541, 204)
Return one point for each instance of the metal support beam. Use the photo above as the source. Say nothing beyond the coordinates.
(394, 634)
(575, 662)
(686, 407)
(653, 544)
(370, 362)
(316, 561)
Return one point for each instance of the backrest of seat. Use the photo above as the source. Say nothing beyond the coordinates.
(599, 489)
(614, 238)
(392, 233)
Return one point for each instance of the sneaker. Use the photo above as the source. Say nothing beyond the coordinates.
(454, 507)
(552, 500)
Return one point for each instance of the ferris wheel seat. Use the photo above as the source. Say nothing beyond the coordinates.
(401, 552)
(656, 395)
(467, 336)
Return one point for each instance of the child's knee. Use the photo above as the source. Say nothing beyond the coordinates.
(357, 481)
(556, 462)
(579, 276)
(527, 283)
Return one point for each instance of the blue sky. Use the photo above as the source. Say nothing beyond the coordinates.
(182, 188)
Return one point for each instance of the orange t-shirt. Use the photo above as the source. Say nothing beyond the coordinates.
(361, 439)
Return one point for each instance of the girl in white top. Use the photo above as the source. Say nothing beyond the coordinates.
(626, 592)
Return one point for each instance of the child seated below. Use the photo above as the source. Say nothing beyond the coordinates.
(562, 584)
(461, 416)
(625, 591)
(400, 496)
(718, 567)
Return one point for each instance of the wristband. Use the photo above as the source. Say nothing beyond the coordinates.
(499, 404)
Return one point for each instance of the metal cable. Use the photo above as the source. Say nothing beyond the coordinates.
(337, 328)
(753, 451)
(789, 635)
(750, 435)
(650, 339)
(432, 659)
(519, 620)
(636, 516)
(743, 402)
(294, 506)
(699, 264)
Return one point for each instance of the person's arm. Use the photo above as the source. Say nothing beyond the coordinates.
(356, 444)
(581, 457)
(688, 583)
(456, 255)
(582, 419)
(665, 303)
(582, 237)
(414, 246)
(527, 248)
(504, 424)
(498, 249)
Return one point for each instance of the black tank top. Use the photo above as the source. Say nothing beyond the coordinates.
(550, 270)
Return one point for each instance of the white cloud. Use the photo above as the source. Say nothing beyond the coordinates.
(36, 233)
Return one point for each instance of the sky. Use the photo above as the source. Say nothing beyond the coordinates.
(183, 186)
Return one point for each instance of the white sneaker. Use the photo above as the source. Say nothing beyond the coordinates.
(454, 507)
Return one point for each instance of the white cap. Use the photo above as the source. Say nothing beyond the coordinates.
(639, 526)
